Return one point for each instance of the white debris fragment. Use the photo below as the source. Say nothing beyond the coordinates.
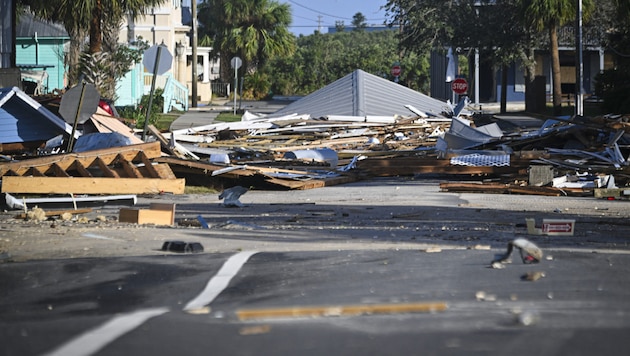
(230, 196)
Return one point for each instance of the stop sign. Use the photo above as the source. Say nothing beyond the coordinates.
(396, 70)
(459, 86)
(158, 59)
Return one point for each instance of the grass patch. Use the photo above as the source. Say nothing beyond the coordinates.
(164, 121)
(226, 116)
(194, 189)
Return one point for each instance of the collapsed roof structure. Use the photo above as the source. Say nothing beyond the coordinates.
(363, 94)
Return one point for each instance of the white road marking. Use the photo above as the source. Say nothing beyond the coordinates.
(220, 281)
(95, 339)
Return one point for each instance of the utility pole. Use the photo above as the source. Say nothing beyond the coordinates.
(193, 12)
(319, 23)
(579, 65)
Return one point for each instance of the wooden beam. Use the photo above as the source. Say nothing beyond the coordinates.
(86, 185)
(107, 172)
(153, 173)
(81, 169)
(59, 171)
(129, 168)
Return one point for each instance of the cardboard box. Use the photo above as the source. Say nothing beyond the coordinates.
(158, 214)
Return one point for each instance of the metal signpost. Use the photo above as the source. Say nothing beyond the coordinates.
(77, 105)
(157, 60)
(236, 63)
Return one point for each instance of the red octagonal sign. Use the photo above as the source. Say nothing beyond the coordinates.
(459, 86)
(396, 70)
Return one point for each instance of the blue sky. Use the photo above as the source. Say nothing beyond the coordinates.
(308, 15)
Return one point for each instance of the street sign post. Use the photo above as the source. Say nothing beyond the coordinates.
(236, 63)
(459, 86)
(77, 105)
(157, 60)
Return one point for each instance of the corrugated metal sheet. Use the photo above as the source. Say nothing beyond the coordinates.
(22, 119)
(360, 94)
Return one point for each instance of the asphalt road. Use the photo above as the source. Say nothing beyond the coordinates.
(300, 303)
(380, 267)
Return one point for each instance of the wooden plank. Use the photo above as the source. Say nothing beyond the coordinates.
(187, 166)
(153, 173)
(163, 171)
(81, 169)
(164, 142)
(59, 171)
(107, 172)
(86, 185)
(64, 161)
(129, 168)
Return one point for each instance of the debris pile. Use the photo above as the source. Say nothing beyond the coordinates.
(501, 153)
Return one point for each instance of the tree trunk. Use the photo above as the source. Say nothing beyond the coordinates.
(73, 56)
(555, 70)
(530, 90)
(95, 28)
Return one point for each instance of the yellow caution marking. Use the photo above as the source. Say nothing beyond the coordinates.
(340, 310)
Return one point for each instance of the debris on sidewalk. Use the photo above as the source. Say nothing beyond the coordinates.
(230, 196)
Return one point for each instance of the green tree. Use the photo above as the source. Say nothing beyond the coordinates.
(340, 26)
(320, 59)
(254, 30)
(358, 22)
(550, 15)
(613, 85)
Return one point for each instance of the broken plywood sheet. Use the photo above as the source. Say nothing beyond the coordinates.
(91, 185)
(102, 122)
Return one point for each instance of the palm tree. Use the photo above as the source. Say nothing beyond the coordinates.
(90, 17)
(551, 14)
(254, 30)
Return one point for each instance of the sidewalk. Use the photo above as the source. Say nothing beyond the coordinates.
(205, 114)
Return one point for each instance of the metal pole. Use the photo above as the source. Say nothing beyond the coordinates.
(476, 76)
(193, 13)
(76, 120)
(155, 74)
(579, 68)
(235, 86)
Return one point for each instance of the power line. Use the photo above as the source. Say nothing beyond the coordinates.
(323, 13)
(317, 11)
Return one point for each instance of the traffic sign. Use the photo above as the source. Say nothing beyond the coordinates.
(459, 86)
(79, 103)
(157, 59)
(236, 62)
(396, 70)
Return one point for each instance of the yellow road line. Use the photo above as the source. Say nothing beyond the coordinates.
(340, 310)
